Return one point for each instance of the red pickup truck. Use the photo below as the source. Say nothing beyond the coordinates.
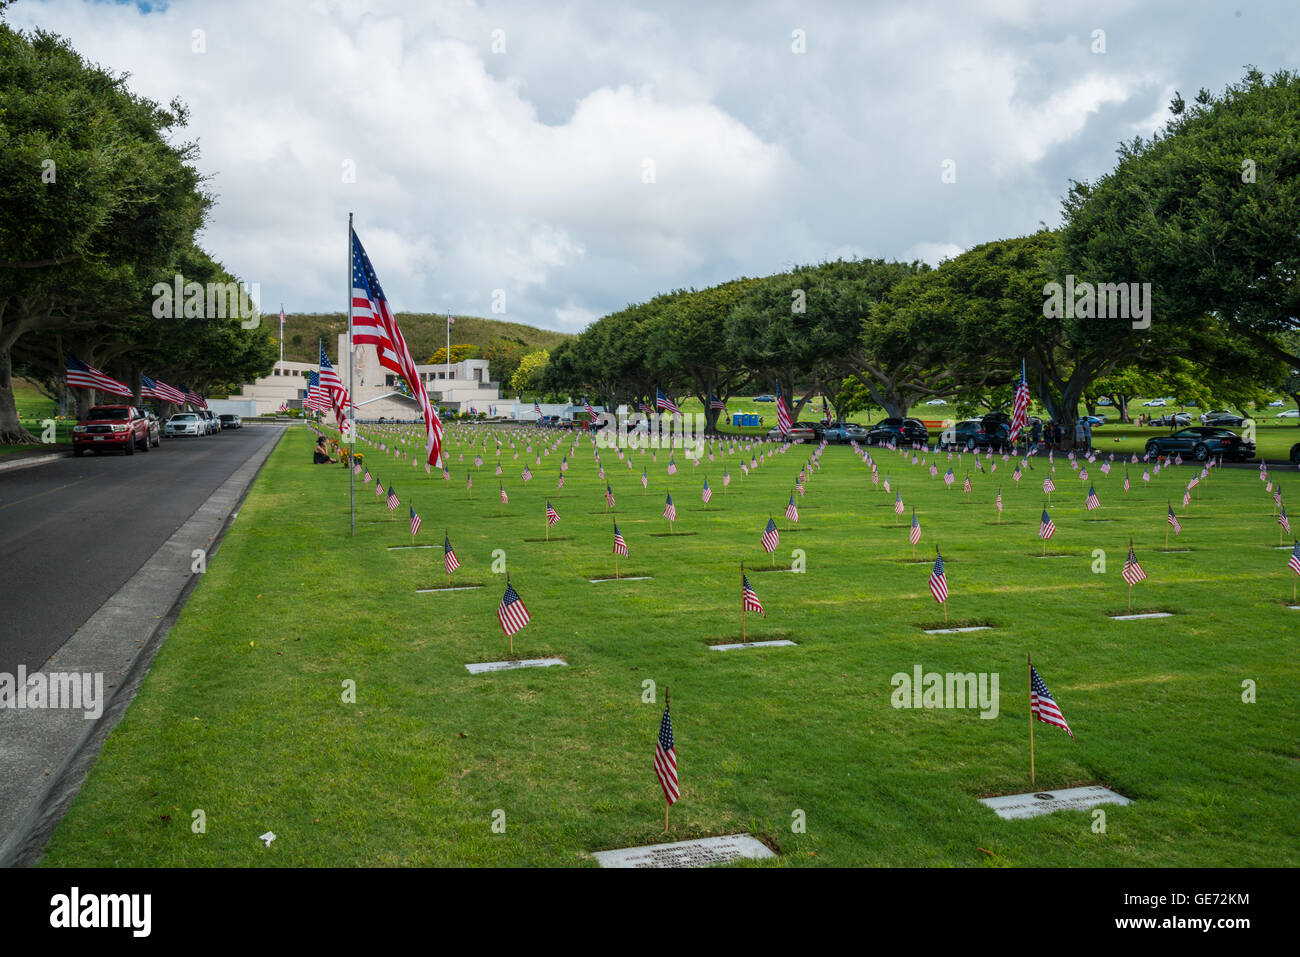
(121, 427)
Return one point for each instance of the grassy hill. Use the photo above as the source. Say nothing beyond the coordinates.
(425, 333)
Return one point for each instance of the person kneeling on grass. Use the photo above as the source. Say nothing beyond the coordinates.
(321, 456)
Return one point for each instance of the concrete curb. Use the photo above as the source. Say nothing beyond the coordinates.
(46, 754)
(24, 461)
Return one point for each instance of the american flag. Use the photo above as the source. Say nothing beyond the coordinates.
(726, 478)
(1042, 705)
(379, 489)
(915, 534)
(415, 521)
(1015, 476)
(449, 560)
(537, 408)
(672, 466)
(748, 599)
(552, 516)
(374, 323)
(771, 537)
(707, 493)
(663, 402)
(511, 612)
(1048, 485)
(666, 760)
(586, 407)
(1127, 485)
(792, 510)
(368, 476)
(886, 483)
(194, 399)
(1046, 529)
(393, 500)
(898, 503)
(948, 477)
(1092, 501)
(1283, 521)
(83, 376)
(938, 580)
(620, 546)
(505, 499)
(469, 481)
(1020, 405)
(153, 389)
(716, 403)
(999, 500)
(782, 412)
(333, 386)
(645, 480)
(1172, 519)
(526, 475)
(1133, 572)
(1294, 561)
(609, 496)
(966, 487)
(670, 510)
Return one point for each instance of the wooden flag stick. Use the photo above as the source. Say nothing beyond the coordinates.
(1030, 658)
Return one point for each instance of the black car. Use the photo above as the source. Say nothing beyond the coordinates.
(898, 431)
(985, 433)
(230, 421)
(1295, 455)
(1202, 442)
(1224, 420)
(1174, 419)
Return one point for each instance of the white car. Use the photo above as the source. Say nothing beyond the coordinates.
(937, 402)
(185, 423)
(1276, 403)
(1289, 414)
(1155, 402)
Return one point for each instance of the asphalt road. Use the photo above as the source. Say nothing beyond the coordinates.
(73, 531)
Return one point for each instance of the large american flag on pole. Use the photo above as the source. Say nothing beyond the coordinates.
(334, 388)
(1020, 405)
(155, 389)
(1042, 705)
(81, 375)
(663, 402)
(782, 412)
(666, 759)
(373, 323)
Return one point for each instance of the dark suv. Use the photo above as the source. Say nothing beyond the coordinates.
(986, 433)
(121, 427)
(1202, 442)
(898, 431)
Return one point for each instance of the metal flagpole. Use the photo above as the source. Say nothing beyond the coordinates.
(352, 404)
(281, 338)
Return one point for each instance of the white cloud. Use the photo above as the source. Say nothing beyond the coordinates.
(523, 170)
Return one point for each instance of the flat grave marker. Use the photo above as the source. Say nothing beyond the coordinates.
(705, 852)
(1011, 807)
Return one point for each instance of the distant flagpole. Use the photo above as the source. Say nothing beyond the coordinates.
(282, 338)
(1030, 658)
(352, 405)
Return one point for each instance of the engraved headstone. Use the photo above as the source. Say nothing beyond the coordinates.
(754, 644)
(1010, 807)
(1151, 614)
(485, 666)
(701, 853)
(957, 631)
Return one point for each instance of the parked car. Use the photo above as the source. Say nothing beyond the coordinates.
(1093, 419)
(121, 427)
(982, 434)
(230, 421)
(1154, 403)
(798, 430)
(845, 432)
(1289, 414)
(1173, 419)
(1225, 419)
(937, 402)
(764, 398)
(1275, 404)
(1104, 401)
(1202, 442)
(1295, 455)
(214, 424)
(155, 428)
(904, 431)
(186, 423)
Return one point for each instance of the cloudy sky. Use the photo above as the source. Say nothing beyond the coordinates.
(580, 156)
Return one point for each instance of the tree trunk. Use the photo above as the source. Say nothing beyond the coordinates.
(11, 430)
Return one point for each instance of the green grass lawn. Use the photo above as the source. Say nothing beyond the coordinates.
(242, 715)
